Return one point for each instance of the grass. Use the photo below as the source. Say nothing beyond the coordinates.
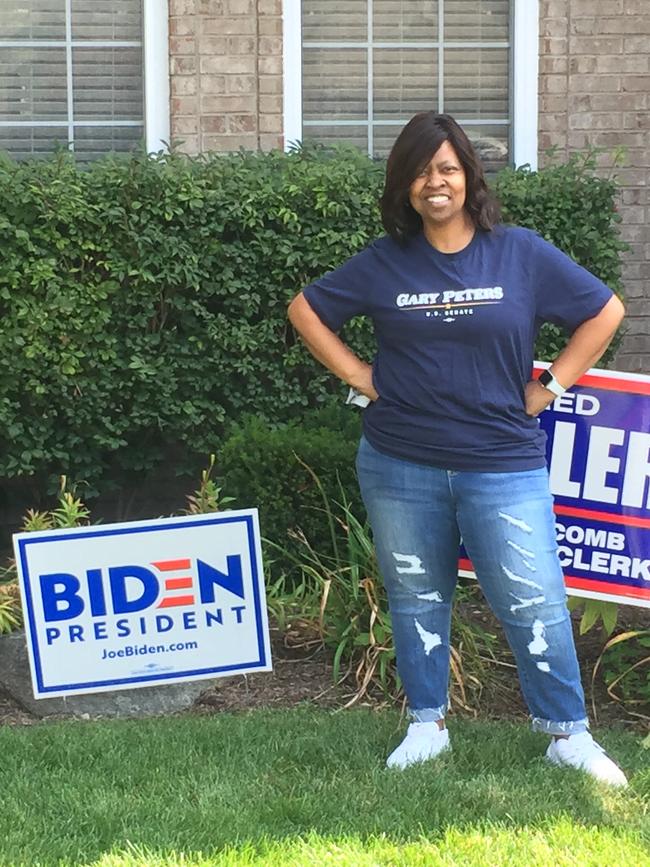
(307, 787)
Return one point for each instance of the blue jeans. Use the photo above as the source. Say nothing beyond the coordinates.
(418, 515)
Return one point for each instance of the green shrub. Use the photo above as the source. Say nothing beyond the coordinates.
(70, 511)
(272, 468)
(626, 670)
(143, 299)
(575, 210)
(11, 614)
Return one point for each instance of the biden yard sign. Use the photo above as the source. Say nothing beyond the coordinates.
(143, 603)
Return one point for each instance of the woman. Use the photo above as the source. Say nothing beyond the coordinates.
(451, 447)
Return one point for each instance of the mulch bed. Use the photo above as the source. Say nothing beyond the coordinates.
(301, 677)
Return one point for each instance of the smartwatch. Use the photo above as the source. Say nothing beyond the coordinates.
(547, 379)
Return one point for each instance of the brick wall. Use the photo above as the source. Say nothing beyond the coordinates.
(595, 91)
(226, 74)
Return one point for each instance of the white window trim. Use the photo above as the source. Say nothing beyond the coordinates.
(157, 122)
(155, 47)
(525, 78)
(292, 71)
(525, 83)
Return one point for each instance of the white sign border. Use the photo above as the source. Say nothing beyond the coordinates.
(248, 516)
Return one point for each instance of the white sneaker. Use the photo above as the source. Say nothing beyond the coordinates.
(582, 751)
(424, 740)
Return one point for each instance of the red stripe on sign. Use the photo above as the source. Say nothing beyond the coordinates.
(465, 563)
(629, 386)
(171, 565)
(609, 383)
(605, 517)
(178, 583)
(174, 601)
(607, 587)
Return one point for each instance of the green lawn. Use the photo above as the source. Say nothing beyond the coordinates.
(308, 787)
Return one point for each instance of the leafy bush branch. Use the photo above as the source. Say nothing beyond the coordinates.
(143, 299)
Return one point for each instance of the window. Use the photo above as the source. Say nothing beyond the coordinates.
(72, 72)
(357, 70)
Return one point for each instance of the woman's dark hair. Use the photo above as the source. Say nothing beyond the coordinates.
(415, 145)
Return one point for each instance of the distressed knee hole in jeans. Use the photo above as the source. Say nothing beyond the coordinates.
(525, 603)
(520, 579)
(516, 522)
(526, 556)
(411, 564)
(539, 645)
(429, 639)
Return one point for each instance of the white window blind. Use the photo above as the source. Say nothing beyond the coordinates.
(71, 72)
(369, 65)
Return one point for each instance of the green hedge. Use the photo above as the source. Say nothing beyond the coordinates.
(575, 210)
(143, 300)
(272, 468)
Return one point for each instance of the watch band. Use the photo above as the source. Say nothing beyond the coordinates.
(355, 398)
(547, 379)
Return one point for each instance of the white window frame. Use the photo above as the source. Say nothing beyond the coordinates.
(157, 123)
(525, 36)
(155, 49)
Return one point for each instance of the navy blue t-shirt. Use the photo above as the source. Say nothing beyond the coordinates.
(455, 335)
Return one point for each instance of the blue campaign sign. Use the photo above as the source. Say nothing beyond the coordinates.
(141, 603)
(598, 454)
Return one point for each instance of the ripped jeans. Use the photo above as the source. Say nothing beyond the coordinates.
(418, 515)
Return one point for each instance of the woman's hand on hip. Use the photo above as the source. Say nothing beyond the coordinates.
(537, 398)
(362, 381)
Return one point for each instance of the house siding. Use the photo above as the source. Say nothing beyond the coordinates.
(595, 92)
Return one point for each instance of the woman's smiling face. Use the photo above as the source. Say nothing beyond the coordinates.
(438, 192)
